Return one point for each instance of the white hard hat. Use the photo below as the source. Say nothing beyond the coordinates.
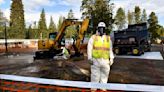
(101, 24)
(62, 47)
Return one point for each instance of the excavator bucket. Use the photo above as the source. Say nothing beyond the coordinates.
(78, 55)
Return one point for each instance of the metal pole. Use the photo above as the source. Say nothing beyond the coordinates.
(6, 51)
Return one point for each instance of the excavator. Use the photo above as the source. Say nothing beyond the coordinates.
(49, 48)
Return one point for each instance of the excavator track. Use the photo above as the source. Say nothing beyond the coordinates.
(49, 54)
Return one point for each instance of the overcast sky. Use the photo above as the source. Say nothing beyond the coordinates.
(55, 8)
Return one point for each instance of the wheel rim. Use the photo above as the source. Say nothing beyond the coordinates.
(117, 51)
(135, 51)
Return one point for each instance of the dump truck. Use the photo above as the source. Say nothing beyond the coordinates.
(134, 40)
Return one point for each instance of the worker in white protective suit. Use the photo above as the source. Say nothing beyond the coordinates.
(100, 55)
(63, 55)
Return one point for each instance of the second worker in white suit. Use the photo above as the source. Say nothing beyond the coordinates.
(100, 55)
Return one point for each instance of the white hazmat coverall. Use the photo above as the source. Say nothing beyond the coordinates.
(100, 68)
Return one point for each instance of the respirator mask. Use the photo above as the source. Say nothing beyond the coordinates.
(101, 28)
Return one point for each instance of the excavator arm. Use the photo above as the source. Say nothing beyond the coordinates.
(81, 35)
(84, 25)
(65, 24)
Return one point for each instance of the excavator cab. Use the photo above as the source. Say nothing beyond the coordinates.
(46, 44)
(46, 47)
(53, 35)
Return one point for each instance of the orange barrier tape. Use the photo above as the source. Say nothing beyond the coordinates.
(31, 87)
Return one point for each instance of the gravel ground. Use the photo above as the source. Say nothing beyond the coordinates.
(124, 70)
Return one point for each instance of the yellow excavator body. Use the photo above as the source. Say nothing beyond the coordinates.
(50, 47)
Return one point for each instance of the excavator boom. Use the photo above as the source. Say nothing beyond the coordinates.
(65, 24)
(80, 37)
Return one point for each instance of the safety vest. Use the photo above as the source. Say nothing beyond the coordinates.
(66, 52)
(101, 48)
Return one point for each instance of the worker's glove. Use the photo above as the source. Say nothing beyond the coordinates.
(90, 61)
(111, 62)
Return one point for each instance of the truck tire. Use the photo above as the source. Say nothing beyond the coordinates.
(136, 51)
(148, 48)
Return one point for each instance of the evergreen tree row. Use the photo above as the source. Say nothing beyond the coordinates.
(121, 18)
(36, 30)
(136, 17)
(96, 10)
(41, 31)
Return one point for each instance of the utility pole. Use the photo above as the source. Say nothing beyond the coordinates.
(6, 51)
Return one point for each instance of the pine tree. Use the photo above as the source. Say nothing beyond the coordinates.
(60, 21)
(160, 31)
(70, 14)
(31, 32)
(28, 32)
(130, 17)
(153, 25)
(98, 10)
(87, 8)
(17, 22)
(1, 19)
(137, 14)
(52, 26)
(71, 30)
(1, 25)
(3, 22)
(42, 27)
(35, 25)
(120, 18)
(35, 31)
(144, 16)
(1, 16)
